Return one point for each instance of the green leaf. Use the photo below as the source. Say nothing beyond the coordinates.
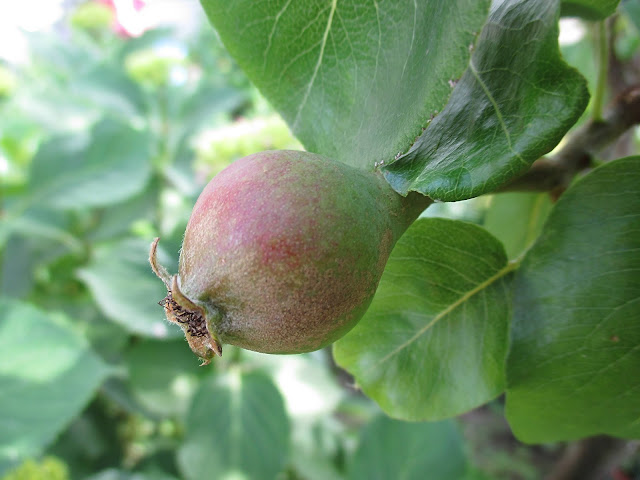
(202, 105)
(18, 264)
(356, 80)
(632, 9)
(41, 223)
(117, 221)
(109, 90)
(589, 9)
(35, 238)
(433, 343)
(513, 104)
(575, 339)
(163, 375)
(113, 474)
(126, 290)
(394, 449)
(516, 219)
(47, 375)
(109, 165)
(237, 428)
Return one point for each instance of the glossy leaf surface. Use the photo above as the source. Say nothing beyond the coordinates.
(513, 104)
(575, 340)
(433, 343)
(356, 80)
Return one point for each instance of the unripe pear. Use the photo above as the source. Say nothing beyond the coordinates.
(283, 253)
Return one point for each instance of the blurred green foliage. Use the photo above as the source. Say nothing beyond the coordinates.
(49, 468)
(91, 16)
(7, 82)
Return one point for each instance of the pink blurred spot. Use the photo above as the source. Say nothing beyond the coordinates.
(129, 17)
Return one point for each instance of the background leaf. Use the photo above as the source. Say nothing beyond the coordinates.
(111, 91)
(126, 290)
(510, 107)
(433, 343)
(589, 9)
(355, 80)
(162, 375)
(237, 428)
(516, 219)
(410, 451)
(113, 474)
(575, 340)
(47, 375)
(111, 164)
(632, 9)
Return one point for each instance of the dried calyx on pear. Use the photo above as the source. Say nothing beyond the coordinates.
(185, 313)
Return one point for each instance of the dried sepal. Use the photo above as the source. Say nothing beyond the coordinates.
(187, 315)
(158, 269)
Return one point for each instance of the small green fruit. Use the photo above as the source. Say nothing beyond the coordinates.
(283, 253)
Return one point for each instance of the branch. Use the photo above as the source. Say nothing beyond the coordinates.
(591, 458)
(556, 173)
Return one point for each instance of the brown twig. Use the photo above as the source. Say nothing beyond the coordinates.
(591, 458)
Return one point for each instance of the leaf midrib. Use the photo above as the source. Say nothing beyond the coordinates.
(509, 267)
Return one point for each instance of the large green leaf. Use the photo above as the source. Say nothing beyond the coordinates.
(47, 375)
(433, 343)
(516, 219)
(589, 9)
(409, 451)
(237, 428)
(575, 340)
(356, 80)
(126, 290)
(513, 104)
(109, 165)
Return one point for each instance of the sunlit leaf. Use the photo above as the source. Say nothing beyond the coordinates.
(516, 219)
(433, 342)
(356, 80)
